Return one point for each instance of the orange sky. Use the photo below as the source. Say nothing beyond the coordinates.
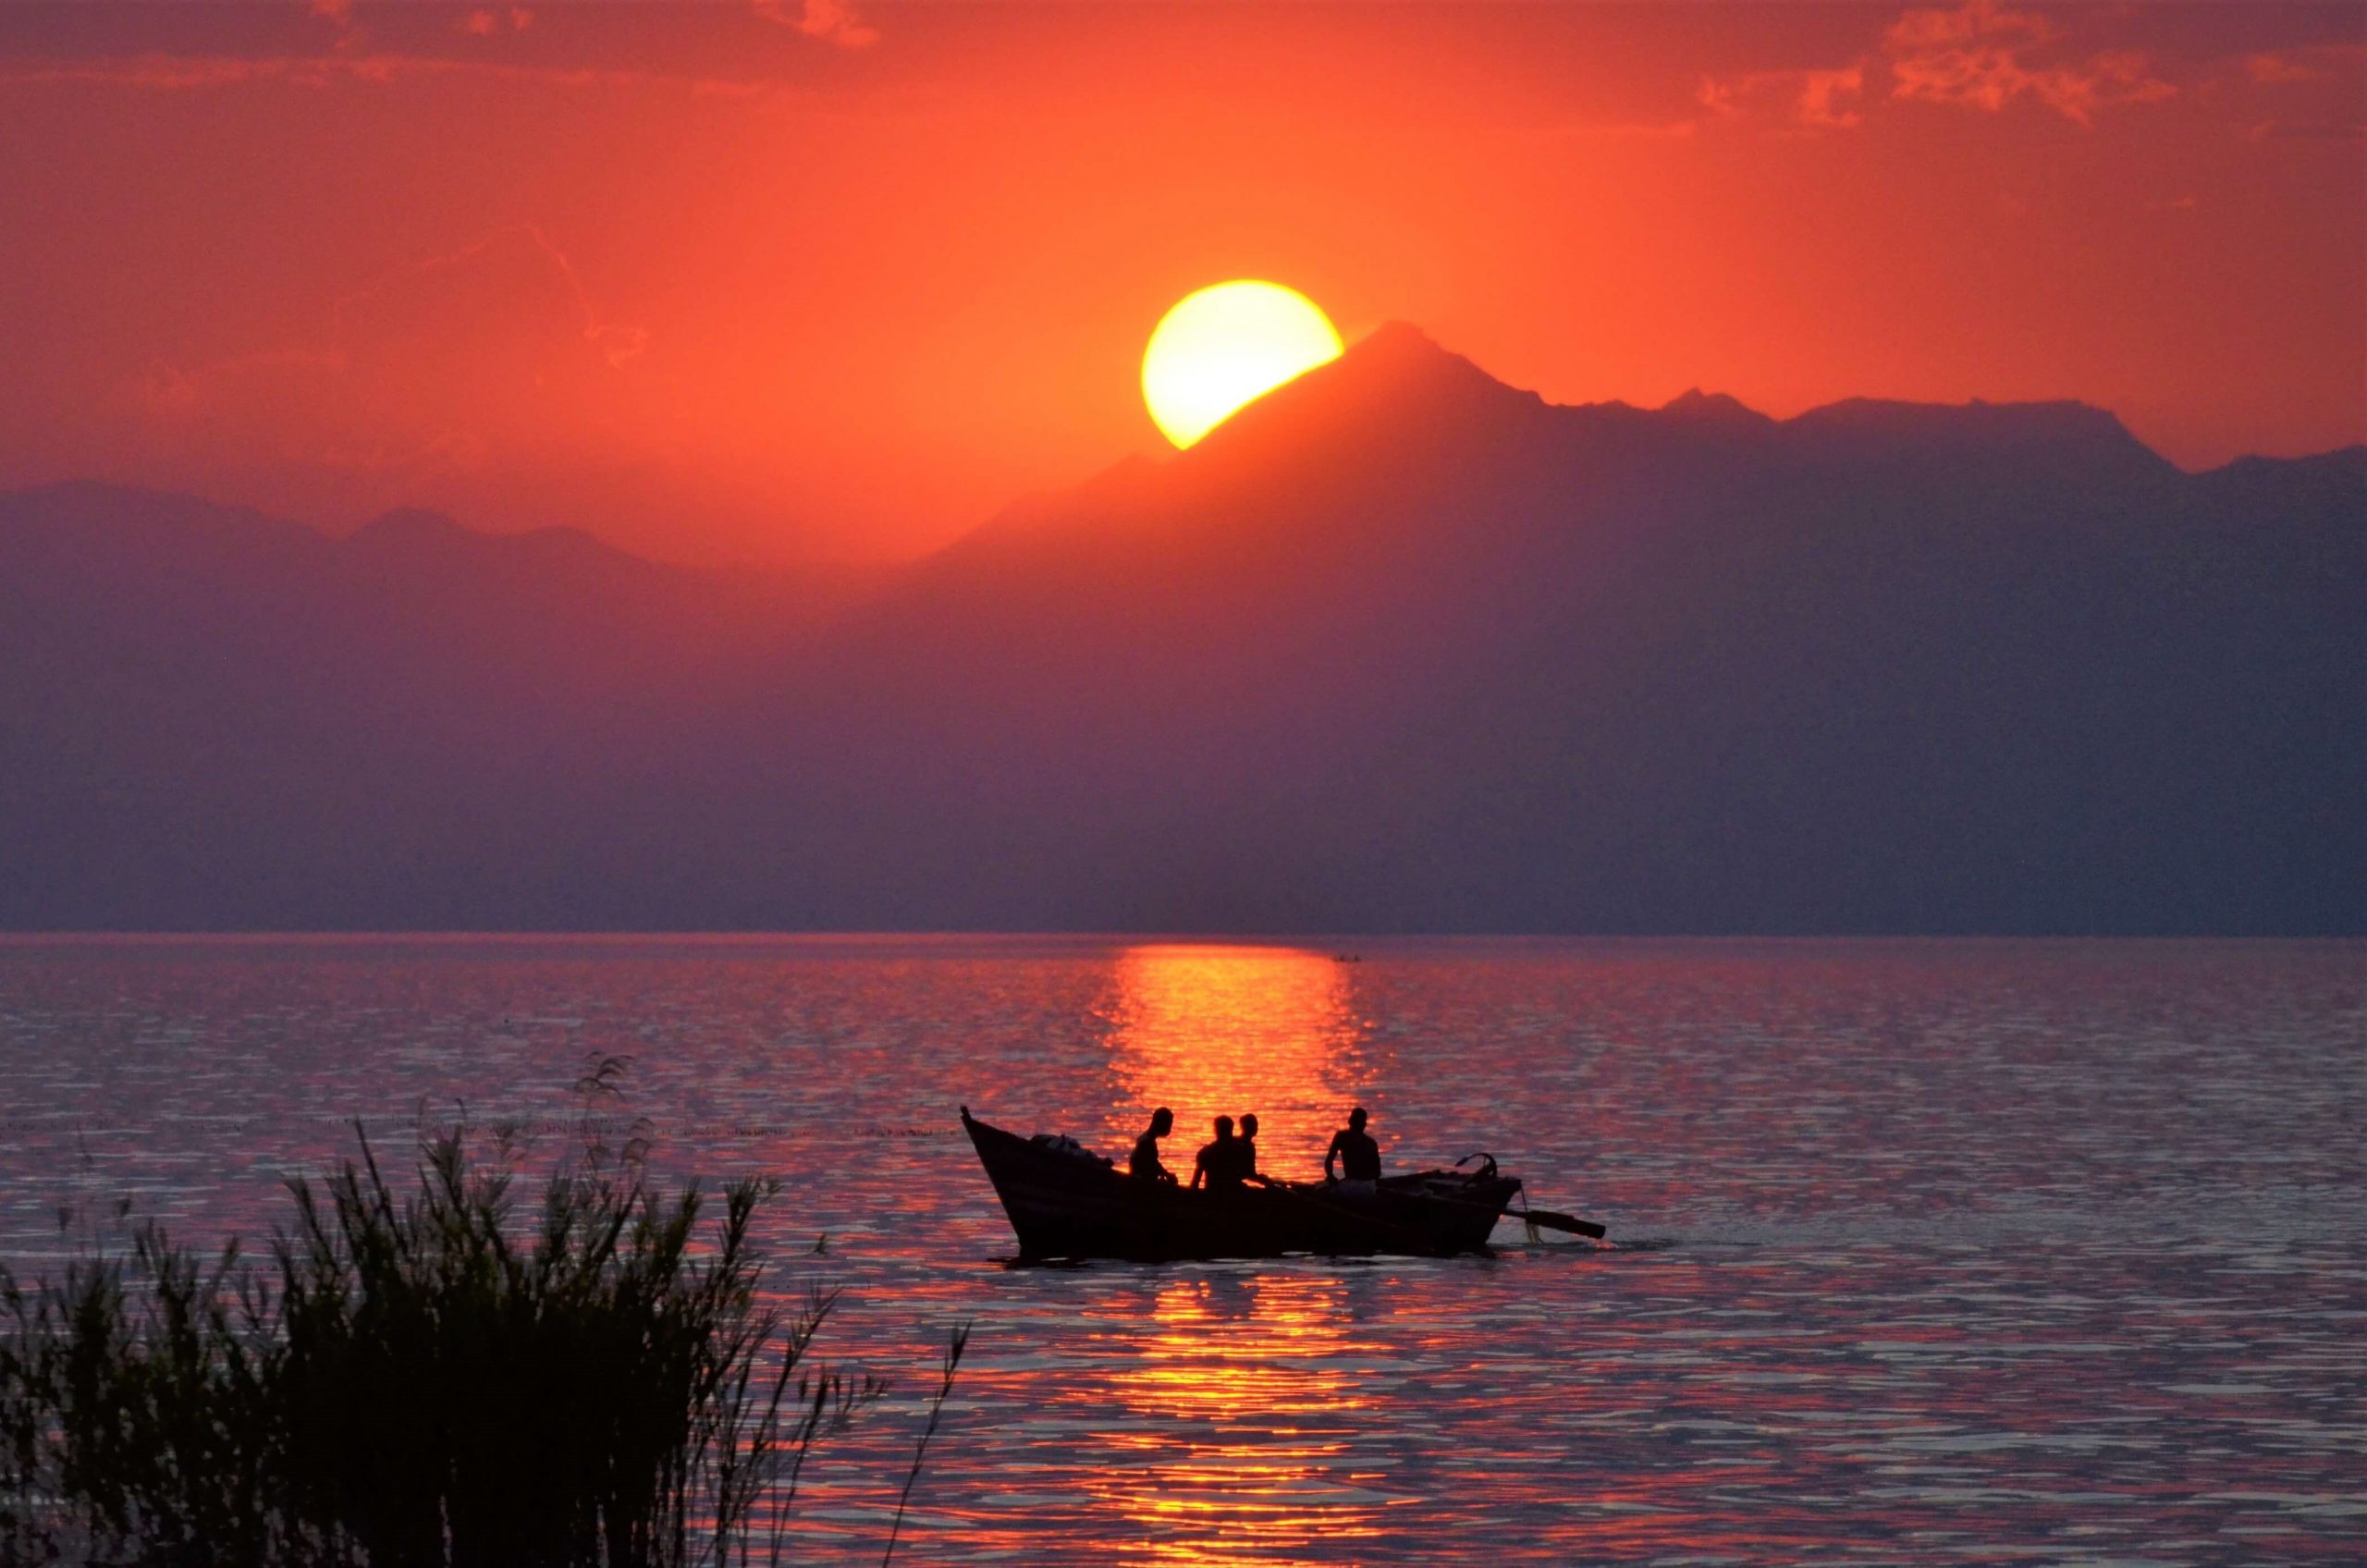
(764, 281)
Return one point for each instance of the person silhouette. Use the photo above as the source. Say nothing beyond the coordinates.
(1145, 1163)
(1358, 1156)
(1245, 1150)
(1218, 1162)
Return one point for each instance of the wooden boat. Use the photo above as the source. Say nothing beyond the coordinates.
(1066, 1201)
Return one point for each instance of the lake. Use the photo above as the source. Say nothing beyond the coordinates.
(1926, 1251)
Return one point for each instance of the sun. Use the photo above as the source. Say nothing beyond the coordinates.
(1226, 344)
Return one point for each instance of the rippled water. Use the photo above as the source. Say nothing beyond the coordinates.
(1934, 1252)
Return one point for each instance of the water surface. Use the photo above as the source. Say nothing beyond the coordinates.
(1940, 1251)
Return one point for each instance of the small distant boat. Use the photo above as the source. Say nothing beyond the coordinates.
(1065, 1201)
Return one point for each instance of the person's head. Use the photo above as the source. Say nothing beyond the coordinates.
(1356, 1120)
(1249, 1124)
(1224, 1128)
(1162, 1122)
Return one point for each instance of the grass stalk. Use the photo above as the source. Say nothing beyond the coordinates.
(443, 1376)
(956, 1342)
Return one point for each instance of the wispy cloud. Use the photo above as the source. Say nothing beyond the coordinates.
(2277, 67)
(350, 60)
(2308, 93)
(2306, 130)
(488, 21)
(1982, 55)
(1810, 98)
(435, 364)
(1978, 55)
(193, 72)
(339, 14)
(519, 259)
(833, 22)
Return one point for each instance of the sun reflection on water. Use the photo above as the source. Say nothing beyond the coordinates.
(1223, 1030)
(1233, 1417)
(1239, 1413)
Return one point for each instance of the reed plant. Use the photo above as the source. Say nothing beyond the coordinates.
(425, 1378)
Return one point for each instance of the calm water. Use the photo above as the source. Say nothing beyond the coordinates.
(1933, 1252)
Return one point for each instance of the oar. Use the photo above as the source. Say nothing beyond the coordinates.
(1554, 1221)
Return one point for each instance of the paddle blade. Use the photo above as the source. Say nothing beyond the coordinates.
(1551, 1221)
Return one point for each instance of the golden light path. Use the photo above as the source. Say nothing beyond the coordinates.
(1224, 345)
(1210, 1030)
(1232, 1350)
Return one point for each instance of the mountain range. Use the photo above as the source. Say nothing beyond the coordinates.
(1397, 648)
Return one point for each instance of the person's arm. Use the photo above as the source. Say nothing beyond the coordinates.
(1329, 1155)
(1199, 1169)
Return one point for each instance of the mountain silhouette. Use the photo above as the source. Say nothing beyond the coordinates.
(1396, 648)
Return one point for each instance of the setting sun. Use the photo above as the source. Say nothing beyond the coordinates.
(1226, 344)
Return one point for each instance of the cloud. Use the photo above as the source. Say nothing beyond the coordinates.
(195, 72)
(2279, 67)
(2311, 92)
(514, 282)
(833, 22)
(1810, 98)
(1820, 89)
(488, 22)
(1976, 55)
(432, 366)
(339, 14)
(1982, 55)
(2306, 130)
(1972, 22)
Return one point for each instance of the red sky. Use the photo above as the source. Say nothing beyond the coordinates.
(772, 280)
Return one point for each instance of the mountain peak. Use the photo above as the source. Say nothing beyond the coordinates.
(1403, 353)
(1399, 338)
(1713, 408)
(1396, 377)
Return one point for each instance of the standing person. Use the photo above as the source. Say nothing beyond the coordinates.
(1218, 1162)
(1358, 1156)
(1144, 1163)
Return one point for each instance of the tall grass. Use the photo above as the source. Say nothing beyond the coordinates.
(432, 1378)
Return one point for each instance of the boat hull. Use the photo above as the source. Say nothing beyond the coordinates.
(1071, 1205)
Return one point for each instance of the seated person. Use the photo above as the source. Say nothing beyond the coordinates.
(1145, 1163)
(1219, 1164)
(1358, 1156)
(1245, 1145)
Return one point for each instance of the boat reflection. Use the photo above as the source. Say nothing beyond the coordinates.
(1223, 1030)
